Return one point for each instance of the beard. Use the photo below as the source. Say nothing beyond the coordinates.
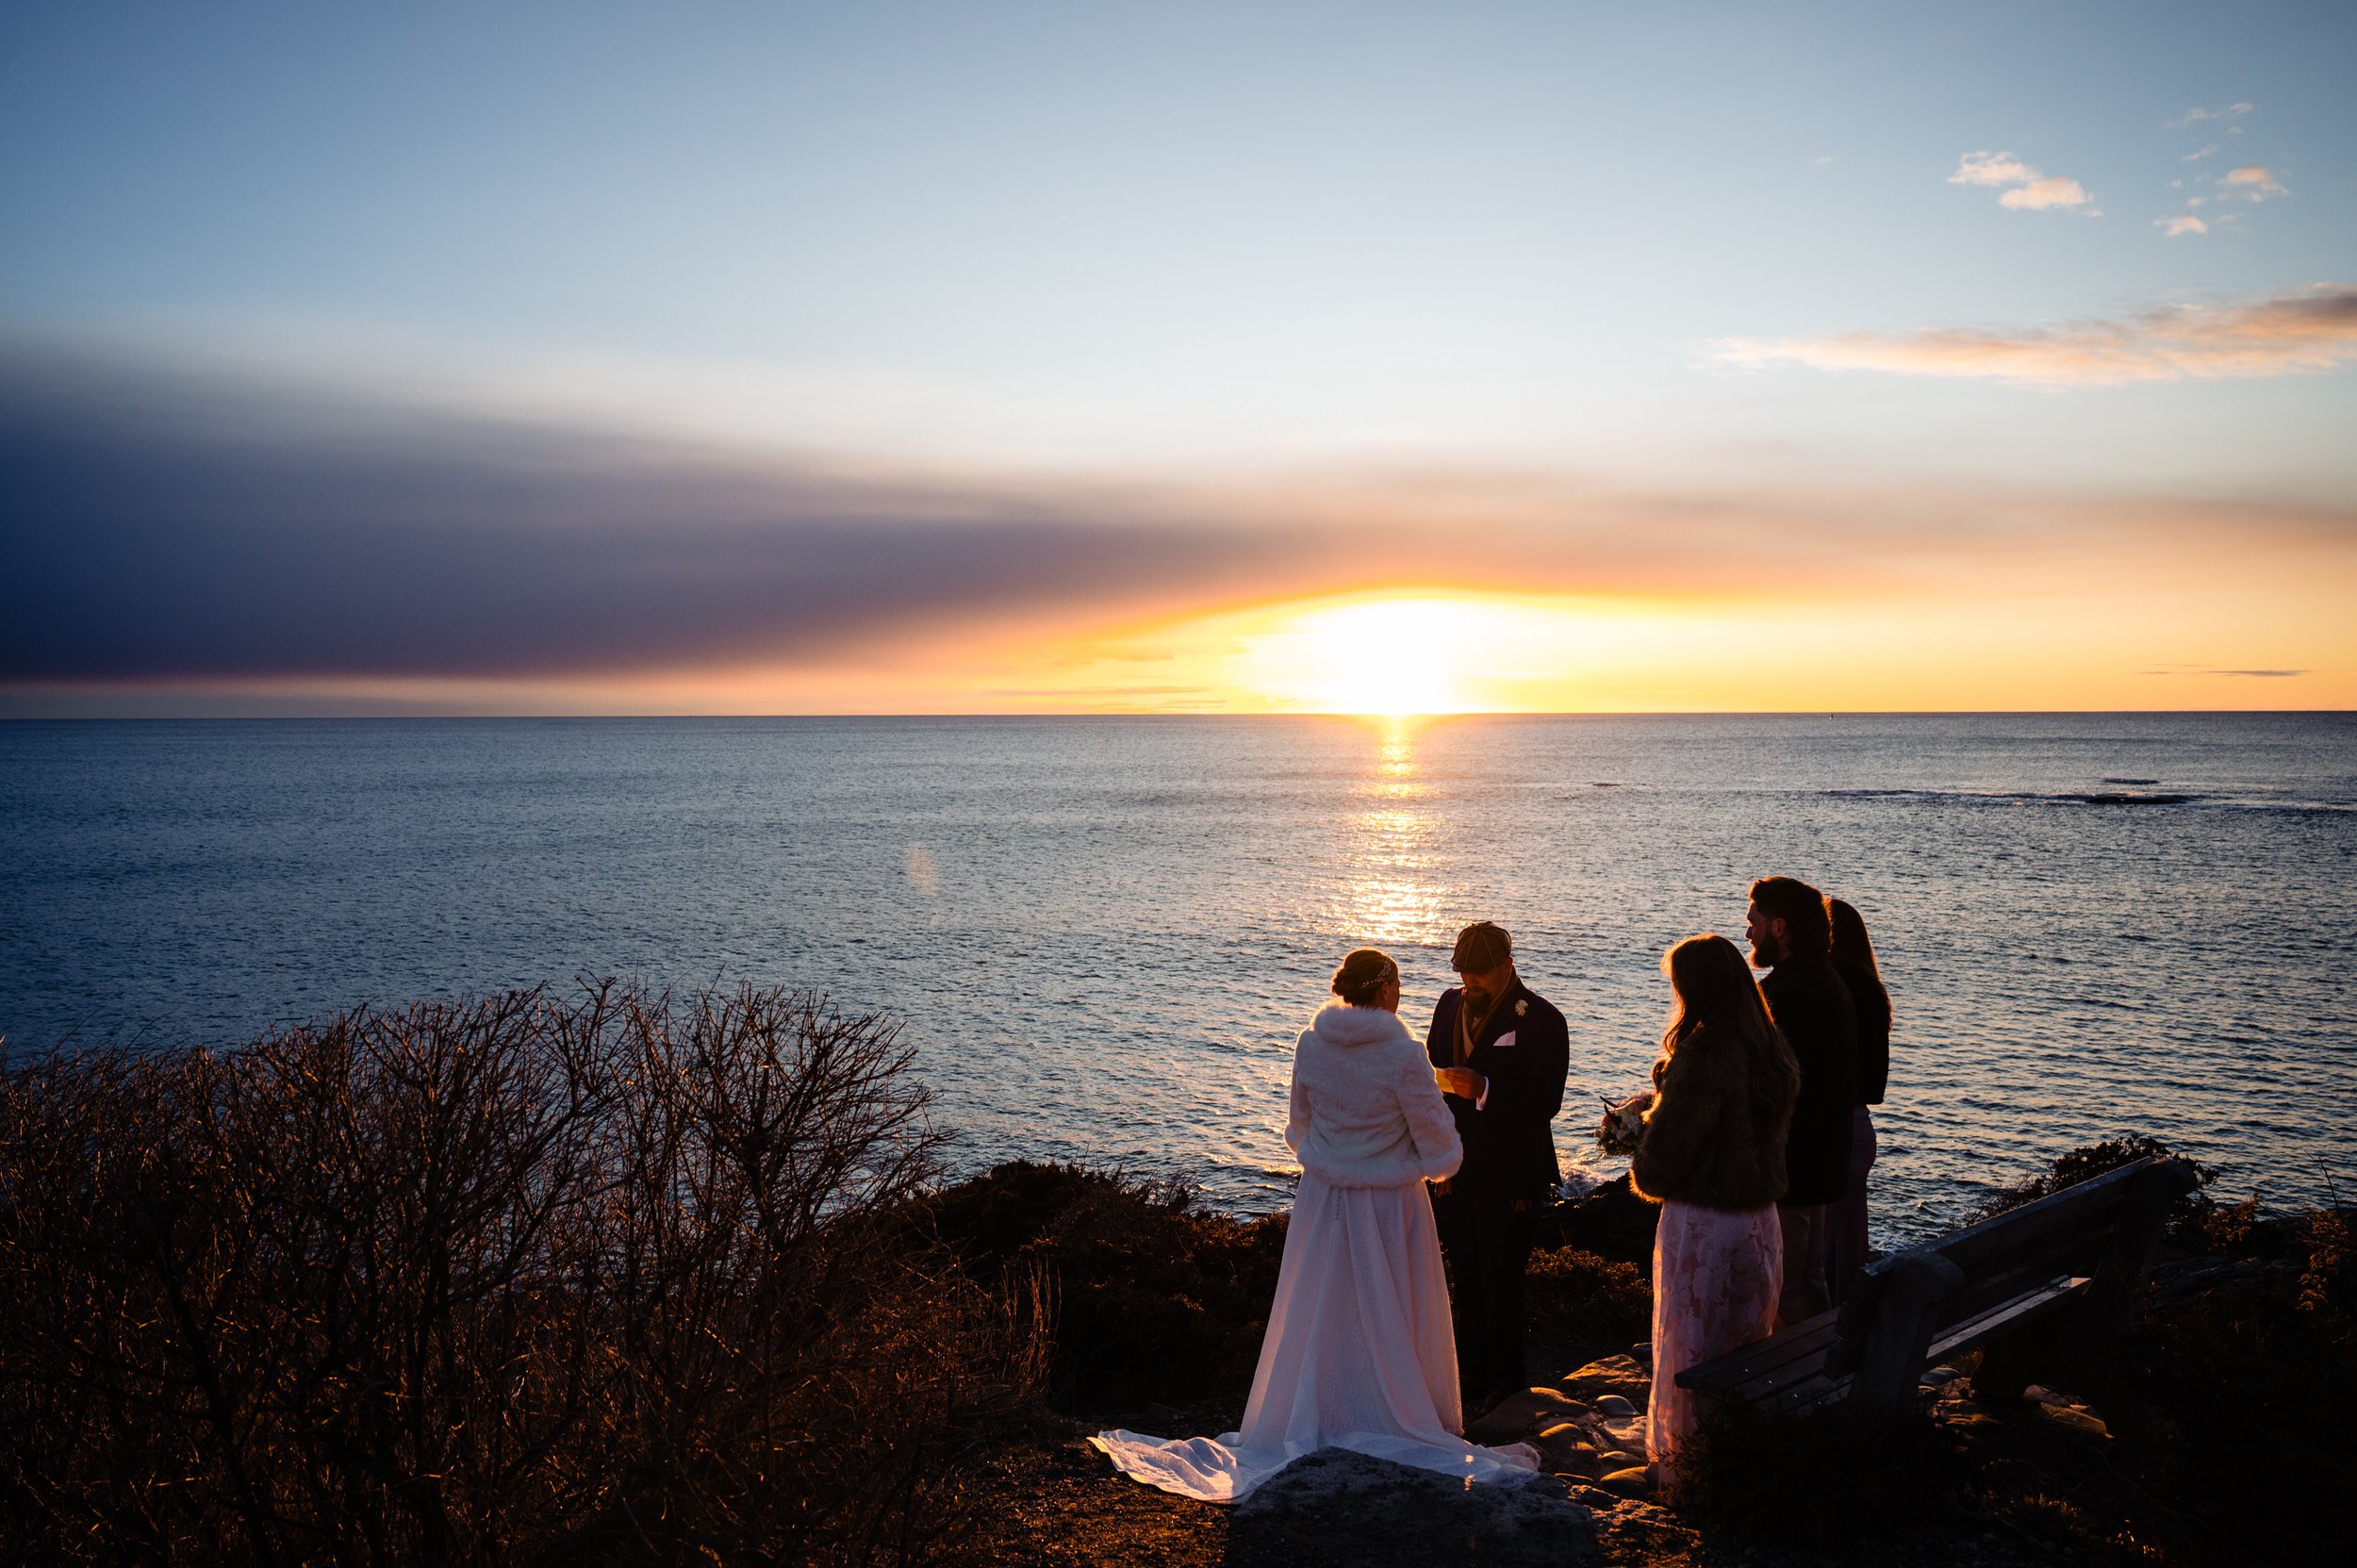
(1766, 955)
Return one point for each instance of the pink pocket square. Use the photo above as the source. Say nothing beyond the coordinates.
(1504, 1040)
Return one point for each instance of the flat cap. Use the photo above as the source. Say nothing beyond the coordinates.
(1481, 946)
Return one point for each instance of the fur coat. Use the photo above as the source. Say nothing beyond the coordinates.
(1365, 1111)
(1715, 1133)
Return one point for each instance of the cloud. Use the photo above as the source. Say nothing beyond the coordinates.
(2209, 669)
(2041, 194)
(2031, 191)
(1986, 168)
(2252, 182)
(2194, 116)
(2302, 334)
(2196, 157)
(167, 529)
(166, 526)
(2184, 222)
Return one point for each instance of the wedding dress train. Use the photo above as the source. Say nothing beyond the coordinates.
(1358, 1355)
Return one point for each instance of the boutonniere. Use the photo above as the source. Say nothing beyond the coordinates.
(1522, 1007)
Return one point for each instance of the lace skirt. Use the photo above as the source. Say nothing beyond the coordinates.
(1716, 1277)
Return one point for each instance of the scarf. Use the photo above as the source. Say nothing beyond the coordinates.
(1469, 1027)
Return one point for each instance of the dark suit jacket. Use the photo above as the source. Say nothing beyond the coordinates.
(1811, 1005)
(1509, 1151)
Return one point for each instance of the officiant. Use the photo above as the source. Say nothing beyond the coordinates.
(1499, 1053)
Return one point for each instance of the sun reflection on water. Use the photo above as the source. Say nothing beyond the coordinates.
(1391, 890)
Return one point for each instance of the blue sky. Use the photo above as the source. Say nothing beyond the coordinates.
(1202, 239)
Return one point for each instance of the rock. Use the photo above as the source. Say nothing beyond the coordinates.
(1619, 1459)
(1517, 1415)
(1615, 1407)
(1634, 1481)
(1565, 1445)
(1612, 1222)
(1619, 1375)
(2083, 1423)
(2039, 1393)
(1940, 1376)
(1336, 1504)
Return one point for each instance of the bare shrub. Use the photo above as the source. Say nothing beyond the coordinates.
(525, 1278)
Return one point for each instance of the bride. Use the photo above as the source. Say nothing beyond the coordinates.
(1358, 1352)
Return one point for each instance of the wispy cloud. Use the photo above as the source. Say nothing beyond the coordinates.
(2195, 116)
(2299, 334)
(2212, 670)
(2184, 223)
(2025, 188)
(2196, 157)
(2253, 182)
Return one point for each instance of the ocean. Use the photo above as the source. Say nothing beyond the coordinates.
(1103, 934)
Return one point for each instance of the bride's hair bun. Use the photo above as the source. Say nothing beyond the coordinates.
(1364, 975)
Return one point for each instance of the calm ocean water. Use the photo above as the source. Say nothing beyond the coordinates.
(1104, 932)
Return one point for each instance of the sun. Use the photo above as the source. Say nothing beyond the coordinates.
(1389, 656)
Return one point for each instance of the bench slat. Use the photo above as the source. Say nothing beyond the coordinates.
(2006, 1315)
(1803, 1342)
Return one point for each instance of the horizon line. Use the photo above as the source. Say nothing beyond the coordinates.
(1155, 714)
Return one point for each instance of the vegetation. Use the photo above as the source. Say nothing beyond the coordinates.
(606, 1278)
(1572, 1291)
(2084, 1164)
(1155, 1298)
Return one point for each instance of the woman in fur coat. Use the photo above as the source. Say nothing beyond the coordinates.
(1358, 1352)
(1712, 1155)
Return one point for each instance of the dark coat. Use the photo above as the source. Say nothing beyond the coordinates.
(1715, 1135)
(1873, 1035)
(1509, 1150)
(1809, 1003)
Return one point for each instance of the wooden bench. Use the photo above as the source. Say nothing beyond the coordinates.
(2024, 1288)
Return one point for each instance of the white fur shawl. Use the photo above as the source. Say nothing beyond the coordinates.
(1365, 1111)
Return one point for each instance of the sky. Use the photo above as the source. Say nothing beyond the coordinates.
(1012, 357)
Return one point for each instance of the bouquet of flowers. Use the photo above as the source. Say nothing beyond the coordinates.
(1623, 1123)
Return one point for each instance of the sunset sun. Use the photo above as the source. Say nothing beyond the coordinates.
(1379, 656)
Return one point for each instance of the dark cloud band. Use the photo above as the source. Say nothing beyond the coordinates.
(159, 530)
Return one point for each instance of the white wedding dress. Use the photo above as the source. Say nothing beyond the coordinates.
(1358, 1352)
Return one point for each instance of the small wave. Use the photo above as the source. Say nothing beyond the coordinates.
(2099, 798)
(2132, 780)
(2030, 797)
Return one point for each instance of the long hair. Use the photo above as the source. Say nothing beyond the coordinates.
(1714, 990)
(1853, 956)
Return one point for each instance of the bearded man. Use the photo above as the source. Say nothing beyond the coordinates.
(1791, 937)
(1500, 1052)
